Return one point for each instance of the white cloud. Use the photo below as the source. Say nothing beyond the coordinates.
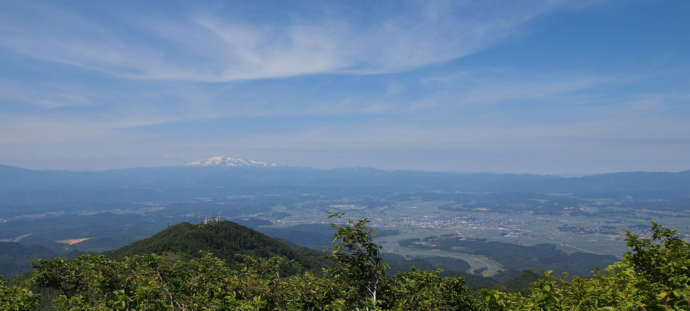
(211, 48)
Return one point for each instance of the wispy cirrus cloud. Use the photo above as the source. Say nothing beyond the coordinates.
(205, 47)
(44, 96)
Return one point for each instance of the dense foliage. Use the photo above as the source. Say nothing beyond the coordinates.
(15, 298)
(654, 275)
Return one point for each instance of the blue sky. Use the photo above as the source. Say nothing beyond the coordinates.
(557, 87)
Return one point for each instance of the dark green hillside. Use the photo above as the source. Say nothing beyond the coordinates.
(225, 240)
(521, 281)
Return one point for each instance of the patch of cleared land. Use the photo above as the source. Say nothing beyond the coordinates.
(72, 241)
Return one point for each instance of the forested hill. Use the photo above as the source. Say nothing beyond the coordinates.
(225, 240)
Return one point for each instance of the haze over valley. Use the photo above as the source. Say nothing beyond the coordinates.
(421, 215)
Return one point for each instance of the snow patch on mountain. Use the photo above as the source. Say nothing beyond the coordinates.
(226, 161)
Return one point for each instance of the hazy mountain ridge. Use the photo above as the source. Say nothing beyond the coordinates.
(22, 184)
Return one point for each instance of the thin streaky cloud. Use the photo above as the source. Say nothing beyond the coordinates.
(207, 48)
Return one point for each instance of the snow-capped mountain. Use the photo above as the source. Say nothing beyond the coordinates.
(227, 161)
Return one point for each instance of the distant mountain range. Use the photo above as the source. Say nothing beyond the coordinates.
(19, 185)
